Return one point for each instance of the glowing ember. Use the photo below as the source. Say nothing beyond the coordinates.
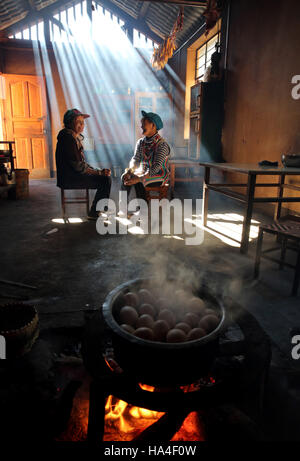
(192, 429)
(203, 382)
(76, 430)
(145, 387)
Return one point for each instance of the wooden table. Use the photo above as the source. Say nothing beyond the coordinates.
(181, 163)
(251, 171)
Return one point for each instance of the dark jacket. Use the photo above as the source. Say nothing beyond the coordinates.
(70, 161)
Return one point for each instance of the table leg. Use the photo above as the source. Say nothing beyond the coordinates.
(63, 204)
(172, 179)
(248, 212)
(279, 195)
(205, 195)
(258, 253)
(87, 197)
(283, 252)
(297, 276)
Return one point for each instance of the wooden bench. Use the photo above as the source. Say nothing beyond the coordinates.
(288, 234)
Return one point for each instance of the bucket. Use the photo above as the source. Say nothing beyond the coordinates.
(22, 183)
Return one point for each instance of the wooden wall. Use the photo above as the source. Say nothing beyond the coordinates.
(262, 120)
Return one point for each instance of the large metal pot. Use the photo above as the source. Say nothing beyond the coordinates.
(155, 362)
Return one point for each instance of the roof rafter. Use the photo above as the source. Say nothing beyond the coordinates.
(179, 2)
(144, 9)
(31, 5)
(138, 24)
(38, 15)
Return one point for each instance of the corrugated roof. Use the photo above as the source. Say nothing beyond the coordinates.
(40, 4)
(12, 12)
(131, 7)
(160, 17)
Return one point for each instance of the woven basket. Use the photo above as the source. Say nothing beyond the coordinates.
(19, 326)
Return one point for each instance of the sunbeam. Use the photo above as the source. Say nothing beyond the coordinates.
(104, 74)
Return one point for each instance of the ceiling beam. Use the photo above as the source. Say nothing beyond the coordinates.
(37, 15)
(143, 11)
(30, 5)
(196, 3)
(138, 24)
(48, 12)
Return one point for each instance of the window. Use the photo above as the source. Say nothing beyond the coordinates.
(203, 56)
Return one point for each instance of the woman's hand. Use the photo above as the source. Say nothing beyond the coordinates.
(132, 180)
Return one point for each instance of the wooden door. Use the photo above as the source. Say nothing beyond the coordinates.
(160, 103)
(25, 122)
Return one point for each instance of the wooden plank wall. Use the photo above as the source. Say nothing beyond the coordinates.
(262, 120)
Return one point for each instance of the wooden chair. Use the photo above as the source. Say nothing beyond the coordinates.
(158, 192)
(288, 235)
(65, 200)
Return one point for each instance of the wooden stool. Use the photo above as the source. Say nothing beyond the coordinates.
(289, 233)
(64, 200)
(158, 192)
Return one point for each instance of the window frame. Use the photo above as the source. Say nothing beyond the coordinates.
(197, 79)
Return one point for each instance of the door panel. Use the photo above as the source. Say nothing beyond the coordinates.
(38, 153)
(19, 103)
(25, 121)
(23, 152)
(29, 128)
(34, 99)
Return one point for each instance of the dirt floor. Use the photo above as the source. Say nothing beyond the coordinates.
(73, 268)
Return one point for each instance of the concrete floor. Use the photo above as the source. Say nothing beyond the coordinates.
(74, 268)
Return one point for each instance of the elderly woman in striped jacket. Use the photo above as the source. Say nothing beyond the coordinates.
(150, 162)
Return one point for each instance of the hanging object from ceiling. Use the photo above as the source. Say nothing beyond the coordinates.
(165, 51)
(212, 14)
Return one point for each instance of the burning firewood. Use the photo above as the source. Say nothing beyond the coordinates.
(163, 429)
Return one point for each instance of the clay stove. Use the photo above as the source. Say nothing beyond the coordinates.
(236, 378)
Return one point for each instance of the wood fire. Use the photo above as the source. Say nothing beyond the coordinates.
(124, 422)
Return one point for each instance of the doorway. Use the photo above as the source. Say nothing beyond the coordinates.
(25, 122)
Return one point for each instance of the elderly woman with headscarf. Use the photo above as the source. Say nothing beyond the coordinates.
(150, 162)
(72, 169)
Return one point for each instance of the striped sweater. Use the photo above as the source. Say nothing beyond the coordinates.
(152, 156)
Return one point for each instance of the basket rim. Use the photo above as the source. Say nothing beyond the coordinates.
(16, 330)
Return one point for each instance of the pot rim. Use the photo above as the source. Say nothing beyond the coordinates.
(112, 323)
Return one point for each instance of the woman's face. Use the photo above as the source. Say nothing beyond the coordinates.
(79, 124)
(148, 128)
